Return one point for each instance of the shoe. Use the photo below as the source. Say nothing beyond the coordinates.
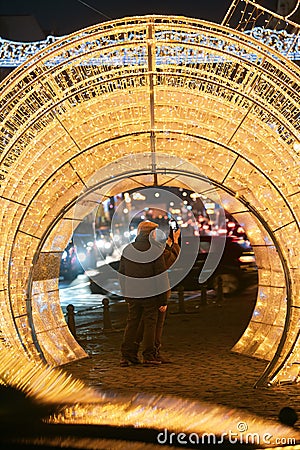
(151, 362)
(134, 360)
(163, 360)
(124, 363)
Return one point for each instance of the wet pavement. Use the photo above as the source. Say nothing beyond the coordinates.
(198, 344)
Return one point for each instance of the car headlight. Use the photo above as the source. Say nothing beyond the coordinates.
(81, 257)
(247, 259)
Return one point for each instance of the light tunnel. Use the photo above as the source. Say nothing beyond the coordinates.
(108, 108)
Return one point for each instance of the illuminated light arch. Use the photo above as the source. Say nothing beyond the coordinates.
(104, 109)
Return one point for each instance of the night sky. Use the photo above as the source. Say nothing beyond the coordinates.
(60, 17)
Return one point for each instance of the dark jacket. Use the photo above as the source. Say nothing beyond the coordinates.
(171, 254)
(141, 270)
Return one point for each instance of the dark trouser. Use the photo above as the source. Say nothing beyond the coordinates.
(136, 309)
(158, 331)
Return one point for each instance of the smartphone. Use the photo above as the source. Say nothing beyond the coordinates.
(173, 227)
(173, 224)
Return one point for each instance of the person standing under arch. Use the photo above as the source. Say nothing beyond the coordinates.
(145, 286)
(170, 254)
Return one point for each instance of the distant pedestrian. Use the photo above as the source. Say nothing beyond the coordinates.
(144, 284)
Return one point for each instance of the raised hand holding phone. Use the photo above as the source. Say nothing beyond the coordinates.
(176, 235)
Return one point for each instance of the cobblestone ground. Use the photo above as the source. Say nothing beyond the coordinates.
(203, 367)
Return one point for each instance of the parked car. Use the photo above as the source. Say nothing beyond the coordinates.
(80, 254)
(237, 269)
(104, 281)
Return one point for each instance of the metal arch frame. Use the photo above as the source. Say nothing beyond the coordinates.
(83, 89)
(151, 128)
(178, 172)
(256, 6)
(247, 44)
(108, 181)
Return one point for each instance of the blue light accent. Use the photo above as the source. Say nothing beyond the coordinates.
(13, 54)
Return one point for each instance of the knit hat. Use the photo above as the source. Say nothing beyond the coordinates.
(146, 227)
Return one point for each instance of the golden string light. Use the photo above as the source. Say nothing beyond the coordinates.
(91, 110)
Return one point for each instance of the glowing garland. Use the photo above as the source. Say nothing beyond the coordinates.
(74, 126)
(13, 54)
